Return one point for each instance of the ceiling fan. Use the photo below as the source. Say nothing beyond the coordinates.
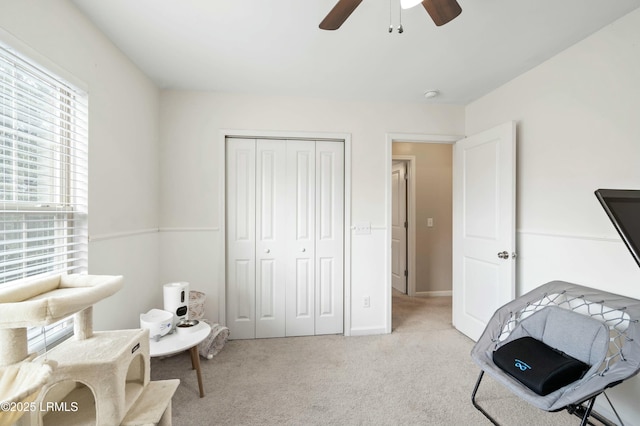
(441, 11)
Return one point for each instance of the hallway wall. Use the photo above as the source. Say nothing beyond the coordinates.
(433, 183)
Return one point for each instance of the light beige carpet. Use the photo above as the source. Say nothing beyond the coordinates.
(421, 374)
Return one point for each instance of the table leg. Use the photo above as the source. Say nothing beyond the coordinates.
(195, 363)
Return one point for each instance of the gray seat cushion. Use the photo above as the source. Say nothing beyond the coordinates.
(577, 335)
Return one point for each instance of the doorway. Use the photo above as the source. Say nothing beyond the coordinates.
(484, 190)
(423, 220)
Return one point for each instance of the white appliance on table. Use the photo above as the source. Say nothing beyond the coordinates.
(176, 300)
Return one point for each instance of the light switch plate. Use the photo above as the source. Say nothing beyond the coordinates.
(363, 228)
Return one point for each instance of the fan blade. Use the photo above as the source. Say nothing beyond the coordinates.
(442, 11)
(339, 14)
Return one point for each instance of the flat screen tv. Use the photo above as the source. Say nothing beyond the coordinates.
(623, 208)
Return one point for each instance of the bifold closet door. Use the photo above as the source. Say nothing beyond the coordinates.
(241, 237)
(285, 215)
(271, 238)
(301, 236)
(256, 244)
(315, 202)
(329, 207)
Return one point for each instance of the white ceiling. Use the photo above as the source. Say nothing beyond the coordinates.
(274, 47)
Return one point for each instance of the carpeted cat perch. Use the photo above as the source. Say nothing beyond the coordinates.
(99, 378)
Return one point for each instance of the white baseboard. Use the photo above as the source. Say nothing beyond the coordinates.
(441, 293)
(367, 331)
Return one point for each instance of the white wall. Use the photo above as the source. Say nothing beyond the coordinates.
(123, 149)
(578, 130)
(191, 165)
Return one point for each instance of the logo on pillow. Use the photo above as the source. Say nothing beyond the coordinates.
(523, 366)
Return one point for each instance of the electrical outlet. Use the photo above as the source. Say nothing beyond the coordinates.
(367, 302)
(430, 222)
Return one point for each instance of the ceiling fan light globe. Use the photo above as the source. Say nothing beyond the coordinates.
(408, 4)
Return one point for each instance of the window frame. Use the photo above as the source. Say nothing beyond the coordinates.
(67, 146)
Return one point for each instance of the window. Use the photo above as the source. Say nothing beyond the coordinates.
(43, 172)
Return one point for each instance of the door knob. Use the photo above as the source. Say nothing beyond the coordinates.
(303, 250)
(503, 255)
(267, 251)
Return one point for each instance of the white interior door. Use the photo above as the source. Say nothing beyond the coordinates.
(241, 237)
(484, 227)
(271, 239)
(329, 237)
(399, 226)
(301, 193)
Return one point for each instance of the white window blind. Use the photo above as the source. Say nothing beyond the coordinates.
(43, 172)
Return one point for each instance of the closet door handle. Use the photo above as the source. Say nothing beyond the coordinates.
(267, 251)
(303, 250)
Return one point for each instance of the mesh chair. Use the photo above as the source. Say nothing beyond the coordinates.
(597, 328)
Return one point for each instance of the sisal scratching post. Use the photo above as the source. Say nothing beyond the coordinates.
(83, 323)
(14, 345)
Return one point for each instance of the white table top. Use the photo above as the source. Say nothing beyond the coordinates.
(179, 341)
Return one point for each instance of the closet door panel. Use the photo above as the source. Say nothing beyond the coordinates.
(326, 278)
(301, 198)
(271, 223)
(329, 237)
(240, 231)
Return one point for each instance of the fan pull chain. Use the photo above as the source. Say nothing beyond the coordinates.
(400, 28)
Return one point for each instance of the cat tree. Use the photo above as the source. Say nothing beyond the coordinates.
(93, 378)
